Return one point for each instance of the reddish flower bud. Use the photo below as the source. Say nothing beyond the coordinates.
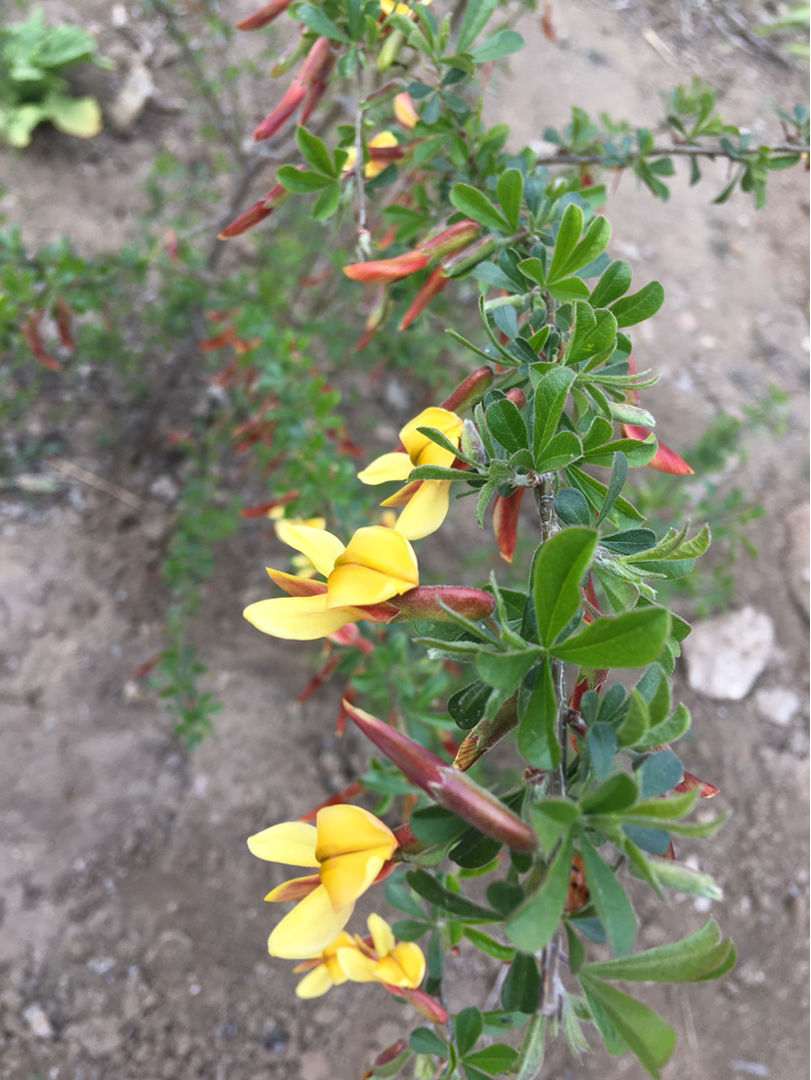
(432, 287)
(276, 119)
(468, 391)
(424, 602)
(453, 238)
(517, 397)
(505, 522)
(32, 336)
(64, 321)
(264, 16)
(664, 460)
(425, 1005)
(384, 271)
(485, 735)
(447, 786)
(692, 783)
(318, 59)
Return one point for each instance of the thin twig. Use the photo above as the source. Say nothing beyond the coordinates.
(84, 476)
(359, 167)
(715, 151)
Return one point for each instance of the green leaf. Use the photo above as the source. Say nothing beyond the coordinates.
(475, 204)
(510, 193)
(677, 806)
(593, 244)
(563, 450)
(614, 283)
(315, 152)
(616, 482)
(636, 721)
(489, 945)
(624, 641)
(551, 394)
(668, 731)
(467, 705)
(534, 924)
(493, 1060)
(674, 875)
(569, 230)
(507, 425)
(533, 269)
(602, 744)
(645, 1032)
(571, 506)
(505, 670)
(327, 203)
(522, 987)
(316, 20)
(410, 929)
(434, 825)
(567, 289)
(435, 472)
(616, 793)
(477, 15)
(624, 512)
(610, 900)
(74, 116)
(537, 739)
(425, 1041)
(558, 572)
(502, 43)
(427, 886)
(639, 305)
(300, 182)
(467, 1027)
(660, 773)
(399, 896)
(594, 332)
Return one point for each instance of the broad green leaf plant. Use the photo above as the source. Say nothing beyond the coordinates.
(579, 808)
(33, 57)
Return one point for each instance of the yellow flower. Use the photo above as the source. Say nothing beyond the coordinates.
(376, 565)
(426, 501)
(388, 6)
(372, 168)
(348, 846)
(384, 960)
(377, 958)
(301, 564)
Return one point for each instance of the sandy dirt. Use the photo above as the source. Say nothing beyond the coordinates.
(132, 929)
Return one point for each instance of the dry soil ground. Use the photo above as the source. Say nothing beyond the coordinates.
(131, 923)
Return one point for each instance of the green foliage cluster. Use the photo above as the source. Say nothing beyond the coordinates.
(33, 59)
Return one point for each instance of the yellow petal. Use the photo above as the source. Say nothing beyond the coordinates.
(320, 546)
(315, 983)
(404, 966)
(387, 467)
(294, 889)
(300, 618)
(309, 928)
(378, 563)
(346, 877)
(444, 421)
(343, 829)
(356, 966)
(382, 937)
(426, 510)
(295, 584)
(292, 843)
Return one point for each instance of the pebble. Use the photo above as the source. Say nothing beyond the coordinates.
(726, 655)
(777, 704)
(39, 1023)
(98, 1036)
(128, 104)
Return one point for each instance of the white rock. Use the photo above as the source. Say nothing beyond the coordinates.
(726, 655)
(777, 704)
(128, 104)
(39, 1023)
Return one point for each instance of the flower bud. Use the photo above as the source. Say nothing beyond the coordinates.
(471, 444)
(470, 257)
(423, 602)
(431, 288)
(505, 522)
(469, 391)
(450, 788)
(452, 239)
(390, 50)
(485, 735)
(517, 397)
(383, 271)
(264, 16)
